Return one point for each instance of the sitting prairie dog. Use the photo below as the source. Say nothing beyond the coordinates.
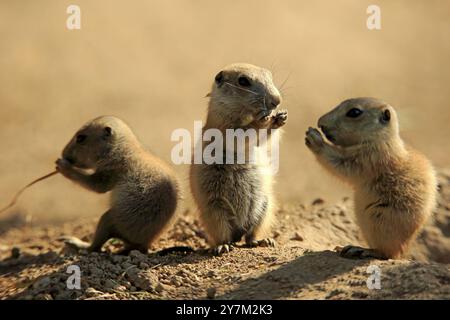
(144, 189)
(235, 200)
(395, 186)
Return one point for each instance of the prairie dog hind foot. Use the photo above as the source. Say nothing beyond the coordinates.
(267, 242)
(355, 252)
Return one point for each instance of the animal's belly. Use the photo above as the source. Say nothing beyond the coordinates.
(237, 189)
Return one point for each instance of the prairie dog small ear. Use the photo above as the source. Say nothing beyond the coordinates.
(219, 79)
(385, 116)
(107, 132)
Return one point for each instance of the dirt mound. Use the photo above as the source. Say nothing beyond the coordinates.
(303, 266)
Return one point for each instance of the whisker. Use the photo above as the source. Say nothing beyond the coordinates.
(285, 80)
(232, 85)
(287, 88)
(273, 66)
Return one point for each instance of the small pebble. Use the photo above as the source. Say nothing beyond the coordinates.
(297, 237)
(42, 283)
(318, 201)
(90, 292)
(211, 293)
(15, 253)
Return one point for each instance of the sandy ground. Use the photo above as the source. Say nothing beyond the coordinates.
(302, 266)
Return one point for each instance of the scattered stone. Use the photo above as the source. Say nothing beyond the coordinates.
(176, 281)
(91, 292)
(211, 273)
(44, 296)
(318, 201)
(95, 271)
(15, 253)
(137, 256)
(297, 237)
(271, 259)
(67, 294)
(211, 293)
(110, 284)
(276, 234)
(126, 265)
(359, 295)
(42, 283)
(117, 258)
(160, 288)
(144, 280)
(334, 293)
(120, 288)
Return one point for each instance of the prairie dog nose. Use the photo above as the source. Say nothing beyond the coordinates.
(275, 101)
(321, 123)
(69, 160)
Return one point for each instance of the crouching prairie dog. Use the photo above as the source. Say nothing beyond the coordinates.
(144, 189)
(235, 200)
(395, 186)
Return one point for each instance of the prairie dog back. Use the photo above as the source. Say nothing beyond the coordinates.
(144, 190)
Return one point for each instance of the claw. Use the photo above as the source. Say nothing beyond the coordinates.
(314, 139)
(280, 119)
(267, 242)
(74, 242)
(221, 249)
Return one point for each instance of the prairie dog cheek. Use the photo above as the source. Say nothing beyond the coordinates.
(247, 119)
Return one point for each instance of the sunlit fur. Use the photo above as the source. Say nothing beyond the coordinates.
(395, 186)
(235, 200)
(144, 189)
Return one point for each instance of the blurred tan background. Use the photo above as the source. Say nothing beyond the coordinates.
(152, 62)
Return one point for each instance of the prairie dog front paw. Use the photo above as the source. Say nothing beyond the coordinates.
(65, 168)
(279, 119)
(272, 120)
(314, 140)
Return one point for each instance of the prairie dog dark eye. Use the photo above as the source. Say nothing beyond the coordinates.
(219, 78)
(354, 113)
(244, 81)
(81, 138)
(386, 116)
(108, 131)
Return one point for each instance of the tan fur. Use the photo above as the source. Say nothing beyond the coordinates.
(235, 200)
(144, 189)
(395, 186)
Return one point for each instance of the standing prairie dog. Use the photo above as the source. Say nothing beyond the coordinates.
(235, 200)
(144, 189)
(395, 186)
